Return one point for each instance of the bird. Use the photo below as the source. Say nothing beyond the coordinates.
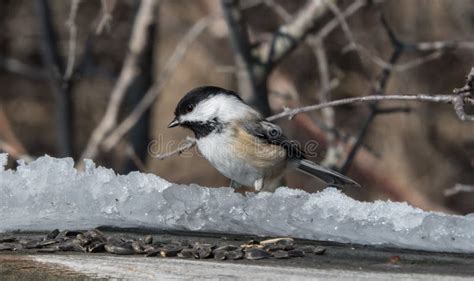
(243, 146)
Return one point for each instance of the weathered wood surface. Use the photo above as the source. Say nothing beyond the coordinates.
(24, 267)
(340, 262)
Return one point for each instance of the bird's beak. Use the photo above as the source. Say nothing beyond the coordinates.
(173, 123)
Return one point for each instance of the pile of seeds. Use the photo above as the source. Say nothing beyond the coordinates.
(95, 241)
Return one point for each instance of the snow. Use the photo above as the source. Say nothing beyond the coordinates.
(50, 193)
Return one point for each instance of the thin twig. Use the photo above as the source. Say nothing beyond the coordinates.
(340, 19)
(188, 144)
(459, 99)
(353, 45)
(335, 22)
(156, 89)
(437, 48)
(458, 188)
(442, 45)
(400, 67)
(343, 23)
(419, 98)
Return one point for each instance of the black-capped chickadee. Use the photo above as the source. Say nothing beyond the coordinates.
(241, 144)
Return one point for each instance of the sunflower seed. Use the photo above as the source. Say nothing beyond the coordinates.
(256, 254)
(118, 250)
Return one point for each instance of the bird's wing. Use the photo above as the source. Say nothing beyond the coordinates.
(273, 134)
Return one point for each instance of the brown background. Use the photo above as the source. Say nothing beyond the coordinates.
(428, 149)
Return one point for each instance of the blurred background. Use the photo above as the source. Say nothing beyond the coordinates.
(100, 79)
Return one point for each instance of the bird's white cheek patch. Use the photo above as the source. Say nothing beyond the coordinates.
(201, 113)
(223, 107)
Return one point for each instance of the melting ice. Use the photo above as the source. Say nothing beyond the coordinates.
(49, 193)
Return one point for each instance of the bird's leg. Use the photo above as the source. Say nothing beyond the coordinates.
(235, 185)
(258, 184)
(271, 184)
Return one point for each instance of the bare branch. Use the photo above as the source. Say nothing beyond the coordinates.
(459, 103)
(251, 76)
(13, 152)
(342, 21)
(279, 10)
(61, 88)
(465, 95)
(333, 152)
(336, 21)
(19, 68)
(436, 48)
(397, 67)
(419, 98)
(468, 87)
(458, 188)
(143, 20)
(459, 100)
(156, 89)
(353, 45)
(291, 34)
(106, 18)
(323, 71)
(9, 142)
(443, 45)
(71, 23)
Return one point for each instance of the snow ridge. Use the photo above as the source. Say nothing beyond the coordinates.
(50, 193)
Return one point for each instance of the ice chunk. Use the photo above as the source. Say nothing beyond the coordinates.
(49, 193)
(3, 161)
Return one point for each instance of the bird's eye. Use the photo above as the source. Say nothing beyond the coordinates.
(189, 108)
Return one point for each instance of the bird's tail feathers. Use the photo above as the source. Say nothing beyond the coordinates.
(329, 176)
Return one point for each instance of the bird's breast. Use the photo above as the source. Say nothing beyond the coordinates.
(242, 157)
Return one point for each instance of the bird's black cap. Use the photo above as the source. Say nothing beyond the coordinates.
(196, 95)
